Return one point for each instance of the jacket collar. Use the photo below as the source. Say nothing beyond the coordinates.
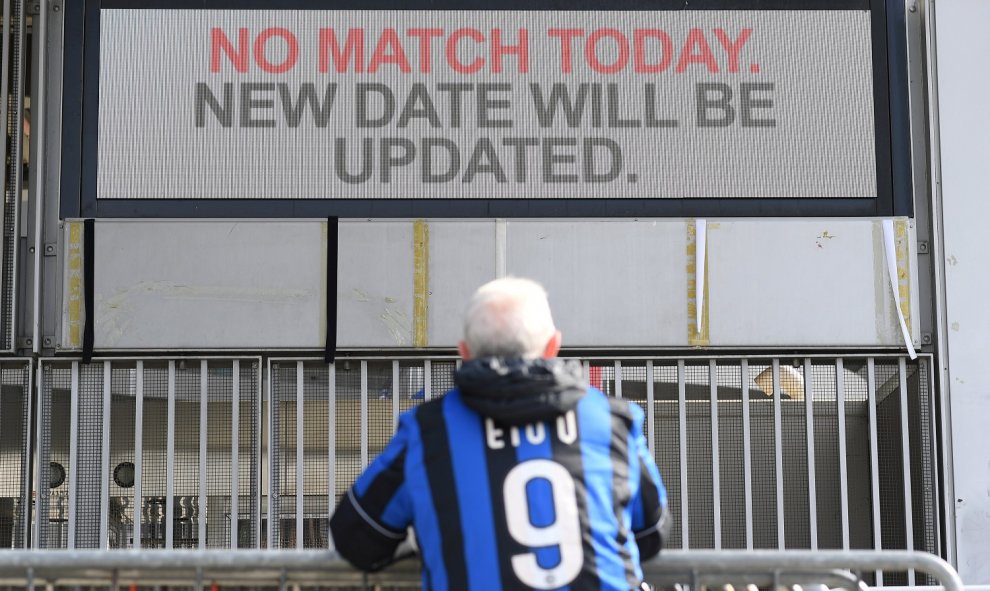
(515, 391)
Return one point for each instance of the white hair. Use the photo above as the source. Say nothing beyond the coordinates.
(508, 317)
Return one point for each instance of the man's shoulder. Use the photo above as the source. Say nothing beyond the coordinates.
(625, 410)
(430, 408)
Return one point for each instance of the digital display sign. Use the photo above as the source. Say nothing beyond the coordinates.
(377, 105)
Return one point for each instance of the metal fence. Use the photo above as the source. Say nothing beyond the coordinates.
(814, 452)
(817, 452)
(149, 453)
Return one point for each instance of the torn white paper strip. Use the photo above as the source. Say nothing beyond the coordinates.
(890, 253)
(701, 242)
(500, 245)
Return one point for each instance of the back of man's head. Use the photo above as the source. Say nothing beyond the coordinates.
(509, 317)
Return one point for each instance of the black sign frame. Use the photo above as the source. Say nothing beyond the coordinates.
(80, 127)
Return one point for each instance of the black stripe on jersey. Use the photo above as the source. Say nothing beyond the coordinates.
(381, 490)
(500, 461)
(649, 497)
(656, 522)
(621, 493)
(569, 456)
(443, 488)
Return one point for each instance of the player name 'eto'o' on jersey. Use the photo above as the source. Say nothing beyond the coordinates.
(535, 433)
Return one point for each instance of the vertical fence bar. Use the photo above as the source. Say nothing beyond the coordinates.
(170, 459)
(235, 452)
(747, 460)
(618, 379)
(16, 80)
(9, 150)
(586, 370)
(5, 96)
(138, 450)
(840, 401)
(73, 453)
(716, 476)
(300, 452)
(427, 380)
(682, 444)
(906, 462)
(395, 394)
(650, 410)
(933, 448)
(364, 414)
(26, 488)
(274, 445)
(332, 440)
(204, 433)
(778, 454)
(809, 426)
(41, 471)
(105, 460)
(871, 394)
(258, 396)
(257, 403)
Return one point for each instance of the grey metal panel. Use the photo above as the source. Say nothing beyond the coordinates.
(375, 284)
(462, 257)
(589, 291)
(804, 283)
(937, 301)
(964, 141)
(207, 285)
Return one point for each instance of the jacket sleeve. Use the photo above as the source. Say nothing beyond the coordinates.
(651, 522)
(372, 518)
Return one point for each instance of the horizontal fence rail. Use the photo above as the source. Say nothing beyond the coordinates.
(254, 568)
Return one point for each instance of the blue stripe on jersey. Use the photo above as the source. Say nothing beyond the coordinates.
(465, 433)
(426, 524)
(382, 462)
(643, 449)
(596, 436)
(539, 493)
(398, 512)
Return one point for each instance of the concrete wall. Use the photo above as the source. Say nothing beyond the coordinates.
(613, 283)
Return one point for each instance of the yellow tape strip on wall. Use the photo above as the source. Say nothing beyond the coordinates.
(697, 338)
(895, 239)
(421, 281)
(73, 280)
(901, 240)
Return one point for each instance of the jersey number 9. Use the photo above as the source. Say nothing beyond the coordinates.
(564, 532)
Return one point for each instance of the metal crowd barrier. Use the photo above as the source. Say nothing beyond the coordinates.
(292, 569)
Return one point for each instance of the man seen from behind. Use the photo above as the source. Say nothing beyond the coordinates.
(521, 477)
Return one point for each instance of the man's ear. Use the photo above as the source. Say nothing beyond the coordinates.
(462, 349)
(553, 346)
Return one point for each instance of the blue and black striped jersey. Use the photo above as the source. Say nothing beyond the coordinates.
(571, 502)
